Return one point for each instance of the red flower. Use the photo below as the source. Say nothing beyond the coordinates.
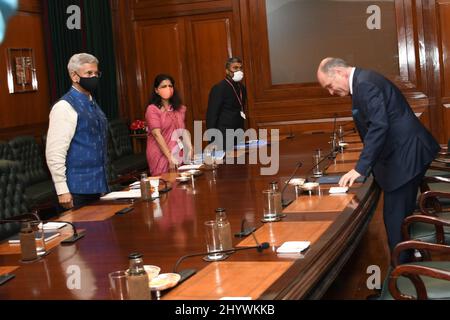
(138, 125)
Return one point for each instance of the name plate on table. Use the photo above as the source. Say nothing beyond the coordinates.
(230, 279)
(278, 233)
(316, 204)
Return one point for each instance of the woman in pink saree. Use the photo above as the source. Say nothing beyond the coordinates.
(164, 116)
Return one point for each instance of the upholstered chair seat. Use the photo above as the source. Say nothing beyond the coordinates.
(424, 279)
(5, 151)
(12, 201)
(122, 157)
(38, 184)
(438, 289)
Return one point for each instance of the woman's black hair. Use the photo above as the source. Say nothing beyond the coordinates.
(155, 98)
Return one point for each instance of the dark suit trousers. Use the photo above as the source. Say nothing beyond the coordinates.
(399, 204)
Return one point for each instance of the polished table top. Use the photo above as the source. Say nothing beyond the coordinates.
(172, 226)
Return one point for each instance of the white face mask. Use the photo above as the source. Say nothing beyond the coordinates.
(238, 76)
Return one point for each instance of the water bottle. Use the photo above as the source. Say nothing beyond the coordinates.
(27, 242)
(137, 278)
(276, 197)
(145, 187)
(224, 228)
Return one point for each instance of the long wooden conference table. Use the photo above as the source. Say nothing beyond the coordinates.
(172, 226)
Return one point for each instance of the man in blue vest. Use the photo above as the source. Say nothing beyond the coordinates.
(76, 148)
(397, 147)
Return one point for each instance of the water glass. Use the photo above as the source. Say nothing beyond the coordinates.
(118, 285)
(213, 243)
(270, 205)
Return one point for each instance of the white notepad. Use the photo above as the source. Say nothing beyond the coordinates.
(336, 190)
(293, 246)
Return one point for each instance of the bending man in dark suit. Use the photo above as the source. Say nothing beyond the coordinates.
(397, 147)
(227, 100)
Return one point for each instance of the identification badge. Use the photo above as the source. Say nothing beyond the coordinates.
(180, 144)
(243, 115)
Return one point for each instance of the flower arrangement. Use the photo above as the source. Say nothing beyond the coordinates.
(138, 126)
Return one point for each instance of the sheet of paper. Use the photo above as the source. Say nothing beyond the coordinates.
(52, 225)
(133, 193)
(190, 167)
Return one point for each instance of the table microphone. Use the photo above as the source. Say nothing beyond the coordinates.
(75, 236)
(334, 123)
(283, 202)
(244, 231)
(350, 131)
(186, 273)
(26, 218)
(329, 156)
(166, 188)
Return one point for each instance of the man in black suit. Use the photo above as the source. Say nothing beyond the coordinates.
(397, 147)
(227, 100)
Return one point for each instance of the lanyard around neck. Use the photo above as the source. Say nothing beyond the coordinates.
(238, 96)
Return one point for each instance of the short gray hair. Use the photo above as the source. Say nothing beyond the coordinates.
(332, 63)
(77, 60)
(232, 60)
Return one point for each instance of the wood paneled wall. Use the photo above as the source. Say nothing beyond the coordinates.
(189, 40)
(25, 113)
(192, 39)
(443, 38)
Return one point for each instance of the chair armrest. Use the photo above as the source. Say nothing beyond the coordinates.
(413, 272)
(418, 245)
(424, 185)
(436, 179)
(439, 225)
(430, 197)
(443, 160)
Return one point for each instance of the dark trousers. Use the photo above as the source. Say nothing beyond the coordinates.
(80, 200)
(399, 204)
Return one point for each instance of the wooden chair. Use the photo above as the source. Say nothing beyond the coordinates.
(420, 280)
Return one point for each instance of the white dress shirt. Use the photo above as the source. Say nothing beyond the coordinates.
(350, 80)
(61, 129)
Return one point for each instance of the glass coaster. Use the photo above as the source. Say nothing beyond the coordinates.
(220, 257)
(275, 219)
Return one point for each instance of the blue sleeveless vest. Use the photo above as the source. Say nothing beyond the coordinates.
(87, 154)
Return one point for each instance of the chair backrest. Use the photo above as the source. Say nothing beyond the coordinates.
(27, 151)
(5, 151)
(120, 137)
(44, 142)
(12, 199)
